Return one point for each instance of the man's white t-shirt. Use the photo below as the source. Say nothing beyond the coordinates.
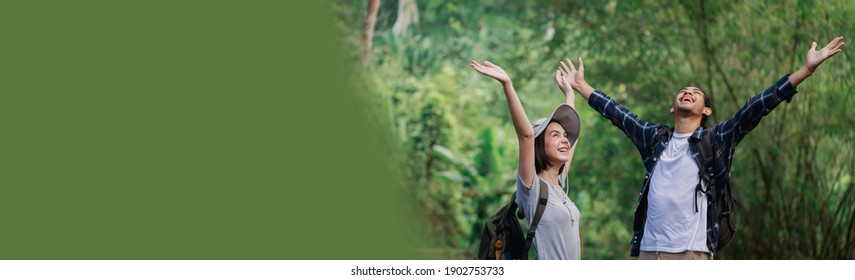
(672, 224)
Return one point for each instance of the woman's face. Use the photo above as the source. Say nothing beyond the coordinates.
(556, 144)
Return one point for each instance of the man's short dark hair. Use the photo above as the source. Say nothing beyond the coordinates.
(707, 103)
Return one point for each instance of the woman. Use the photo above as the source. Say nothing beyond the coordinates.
(546, 151)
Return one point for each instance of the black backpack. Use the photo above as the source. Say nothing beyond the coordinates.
(722, 202)
(502, 237)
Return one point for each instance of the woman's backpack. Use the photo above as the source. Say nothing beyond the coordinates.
(502, 237)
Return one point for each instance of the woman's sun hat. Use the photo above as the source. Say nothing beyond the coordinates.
(567, 117)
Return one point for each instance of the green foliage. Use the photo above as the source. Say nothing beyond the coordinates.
(792, 175)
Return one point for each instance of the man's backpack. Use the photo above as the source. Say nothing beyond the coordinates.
(721, 201)
(502, 237)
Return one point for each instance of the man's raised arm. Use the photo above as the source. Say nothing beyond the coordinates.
(639, 131)
(748, 117)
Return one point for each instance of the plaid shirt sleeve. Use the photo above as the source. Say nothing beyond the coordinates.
(733, 130)
(639, 131)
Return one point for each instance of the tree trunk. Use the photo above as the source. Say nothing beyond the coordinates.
(550, 26)
(368, 31)
(408, 13)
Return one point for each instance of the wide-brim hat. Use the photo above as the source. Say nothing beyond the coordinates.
(567, 117)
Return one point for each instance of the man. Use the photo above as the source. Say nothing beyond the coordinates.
(671, 219)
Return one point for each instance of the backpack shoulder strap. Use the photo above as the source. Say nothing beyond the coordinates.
(659, 137)
(538, 213)
(706, 165)
(707, 154)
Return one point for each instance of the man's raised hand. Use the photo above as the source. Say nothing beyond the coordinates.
(563, 80)
(573, 77)
(816, 57)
